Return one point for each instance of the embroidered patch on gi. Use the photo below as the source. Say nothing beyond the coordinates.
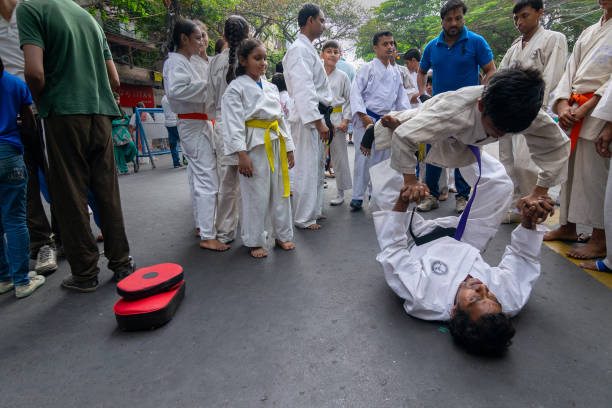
(439, 268)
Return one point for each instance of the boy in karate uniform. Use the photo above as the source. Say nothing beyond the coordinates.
(474, 116)
(340, 85)
(585, 80)
(376, 90)
(436, 266)
(545, 51)
(308, 86)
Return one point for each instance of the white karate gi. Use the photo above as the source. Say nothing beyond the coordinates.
(588, 70)
(427, 276)
(379, 89)
(10, 51)
(546, 51)
(228, 199)
(307, 85)
(341, 89)
(200, 66)
(262, 194)
(455, 114)
(186, 93)
(409, 79)
(603, 111)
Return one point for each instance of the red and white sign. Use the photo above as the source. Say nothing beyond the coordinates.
(132, 94)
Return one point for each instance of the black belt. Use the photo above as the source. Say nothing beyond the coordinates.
(326, 111)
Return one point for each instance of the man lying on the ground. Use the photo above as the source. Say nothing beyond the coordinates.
(443, 278)
(475, 116)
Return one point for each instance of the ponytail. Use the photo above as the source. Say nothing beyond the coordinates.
(236, 29)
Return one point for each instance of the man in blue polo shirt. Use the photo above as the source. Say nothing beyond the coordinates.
(455, 57)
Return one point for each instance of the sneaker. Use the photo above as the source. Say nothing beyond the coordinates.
(87, 286)
(356, 205)
(336, 201)
(124, 272)
(511, 218)
(6, 287)
(46, 260)
(26, 290)
(184, 161)
(428, 204)
(460, 204)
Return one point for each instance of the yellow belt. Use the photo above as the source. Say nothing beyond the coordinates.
(337, 109)
(273, 125)
(421, 151)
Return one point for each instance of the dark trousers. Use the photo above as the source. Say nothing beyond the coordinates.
(37, 221)
(173, 139)
(432, 179)
(80, 152)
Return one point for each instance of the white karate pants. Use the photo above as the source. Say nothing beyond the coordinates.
(308, 174)
(362, 165)
(196, 139)
(262, 200)
(340, 163)
(582, 195)
(228, 199)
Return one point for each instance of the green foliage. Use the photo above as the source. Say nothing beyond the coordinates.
(416, 22)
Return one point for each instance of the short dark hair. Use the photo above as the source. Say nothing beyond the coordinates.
(279, 67)
(452, 5)
(535, 4)
(331, 44)
(412, 53)
(308, 10)
(490, 335)
(182, 26)
(278, 79)
(379, 34)
(513, 97)
(429, 78)
(219, 44)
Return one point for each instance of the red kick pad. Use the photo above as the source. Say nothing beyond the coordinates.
(150, 281)
(150, 312)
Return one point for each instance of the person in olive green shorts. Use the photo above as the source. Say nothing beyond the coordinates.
(123, 145)
(71, 74)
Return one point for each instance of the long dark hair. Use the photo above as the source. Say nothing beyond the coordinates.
(236, 29)
(182, 26)
(245, 48)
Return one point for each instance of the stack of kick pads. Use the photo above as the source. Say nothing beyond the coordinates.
(149, 297)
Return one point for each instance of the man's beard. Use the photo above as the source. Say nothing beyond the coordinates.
(448, 34)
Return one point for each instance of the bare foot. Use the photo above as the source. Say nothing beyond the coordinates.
(258, 252)
(595, 248)
(322, 217)
(287, 246)
(565, 232)
(313, 227)
(443, 197)
(214, 245)
(589, 265)
(197, 232)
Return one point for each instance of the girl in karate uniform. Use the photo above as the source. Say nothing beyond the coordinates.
(186, 93)
(221, 72)
(256, 132)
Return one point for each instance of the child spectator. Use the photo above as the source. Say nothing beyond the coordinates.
(15, 99)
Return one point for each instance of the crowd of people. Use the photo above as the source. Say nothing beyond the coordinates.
(257, 150)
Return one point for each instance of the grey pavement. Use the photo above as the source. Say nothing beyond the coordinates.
(316, 327)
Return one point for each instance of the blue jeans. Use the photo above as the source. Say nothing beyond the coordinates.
(432, 178)
(15, 248)
(173, 139)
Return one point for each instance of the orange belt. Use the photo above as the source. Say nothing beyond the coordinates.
(200, 116)
(580, 100)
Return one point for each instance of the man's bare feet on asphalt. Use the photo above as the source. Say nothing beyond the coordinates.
(313, 227)
(214, 245)
(287, 246)
(565, 232)
(258, 252)
(595, 248)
